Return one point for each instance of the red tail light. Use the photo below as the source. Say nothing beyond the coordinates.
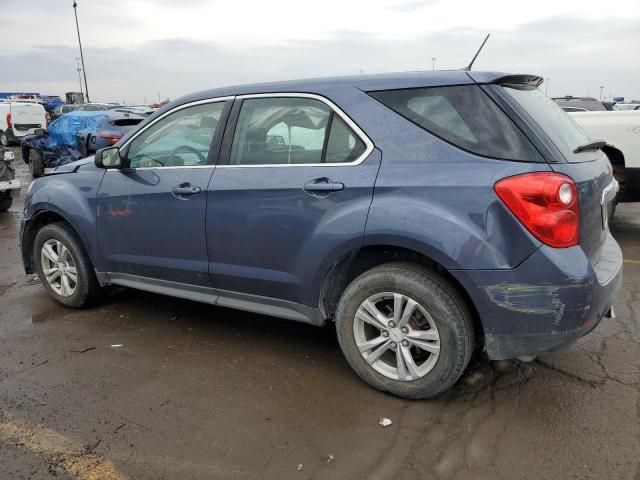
(546, 204)
(8, 120)
(110, 138)
(47, 119)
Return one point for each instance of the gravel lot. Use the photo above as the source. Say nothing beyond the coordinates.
(151, 387)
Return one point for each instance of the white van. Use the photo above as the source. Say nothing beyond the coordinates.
(18, 119)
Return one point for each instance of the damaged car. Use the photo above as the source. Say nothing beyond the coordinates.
(74, 136)
(9, 185)
(423, 215)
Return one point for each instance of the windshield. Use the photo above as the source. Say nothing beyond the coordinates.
(560, 127)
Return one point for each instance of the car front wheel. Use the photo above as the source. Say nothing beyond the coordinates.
(64, 268)
(405, 330)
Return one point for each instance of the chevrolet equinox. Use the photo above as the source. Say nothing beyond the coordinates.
(424, 214)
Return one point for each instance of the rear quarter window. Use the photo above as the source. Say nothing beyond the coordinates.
(561, 129)
(464, 116)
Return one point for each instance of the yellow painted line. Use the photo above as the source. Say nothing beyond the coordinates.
(65, 453)
(632, 262)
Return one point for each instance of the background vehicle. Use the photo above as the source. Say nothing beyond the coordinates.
(93, 107)
(74, 136)
(423, 213)
(9, 186)
(627, 106)
(74, 98)
(621, 131)
(137, 109)
(62, 109)
(583, 104)
(50, 102)
(18, 119)
(113, 126)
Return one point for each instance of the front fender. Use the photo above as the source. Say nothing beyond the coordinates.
(71, 197)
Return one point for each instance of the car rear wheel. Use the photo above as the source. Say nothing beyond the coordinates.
(64, 268)
(4, 140)
(405, 330)
(36, 164)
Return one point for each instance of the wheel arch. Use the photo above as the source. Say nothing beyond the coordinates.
(357, 261)
(618, 163)
(31, 229)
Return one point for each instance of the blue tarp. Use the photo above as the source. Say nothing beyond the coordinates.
(64, 131)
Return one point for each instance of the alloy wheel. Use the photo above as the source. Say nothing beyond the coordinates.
(396, 336)
(59, 267)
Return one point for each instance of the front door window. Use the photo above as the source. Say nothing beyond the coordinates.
(183, 138)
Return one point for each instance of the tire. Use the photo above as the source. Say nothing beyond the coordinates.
(4, 140)
(86, 289)
(447, 317)
(36, 164)
(5, 203)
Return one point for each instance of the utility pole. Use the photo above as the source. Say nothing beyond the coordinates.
(84, 71)
(601, 88)
(433, 63)
(79, 77)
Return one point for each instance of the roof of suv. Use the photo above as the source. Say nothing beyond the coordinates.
(363, 82)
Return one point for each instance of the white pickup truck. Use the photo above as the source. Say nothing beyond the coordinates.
(621, 131)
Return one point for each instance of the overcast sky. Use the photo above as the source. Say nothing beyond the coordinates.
(141, 48)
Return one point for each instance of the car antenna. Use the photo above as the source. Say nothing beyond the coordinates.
(468, 67)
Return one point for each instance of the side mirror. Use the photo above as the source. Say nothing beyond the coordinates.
(40, 132)
(108, 158)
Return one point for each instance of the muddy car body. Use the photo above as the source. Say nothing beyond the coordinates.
(424, 213)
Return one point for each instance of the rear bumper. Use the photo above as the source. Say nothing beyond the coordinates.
(14, 135)
(11, 187)
(547, 303)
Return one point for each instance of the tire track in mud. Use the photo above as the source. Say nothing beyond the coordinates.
(439, 442)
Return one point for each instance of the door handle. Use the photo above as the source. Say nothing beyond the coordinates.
(323, 185)
(185, 189)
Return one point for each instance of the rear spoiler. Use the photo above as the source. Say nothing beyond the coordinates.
(531, 80)
(515, 79)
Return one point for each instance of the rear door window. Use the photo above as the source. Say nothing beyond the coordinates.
(464, 116)
(292, 131)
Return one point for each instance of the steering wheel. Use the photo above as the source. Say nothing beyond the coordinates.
(189, 149)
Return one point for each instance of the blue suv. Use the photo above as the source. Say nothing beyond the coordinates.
(426, 215)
